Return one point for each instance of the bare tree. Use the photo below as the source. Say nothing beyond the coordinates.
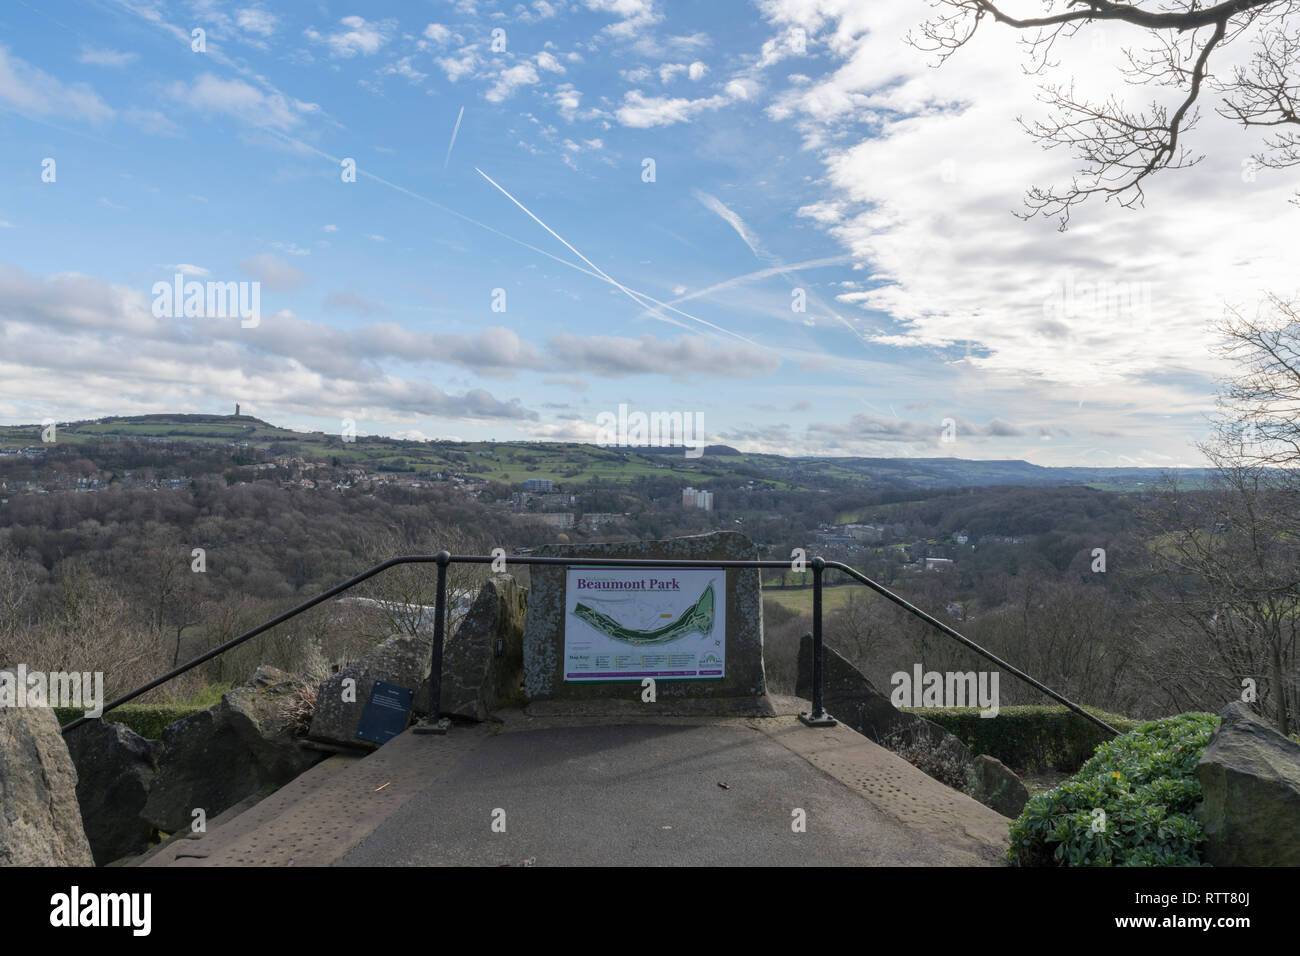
(18, 581)
(1228, 592)
(1259, 423)
(87, 625)
(405, 596)
(1175, 45)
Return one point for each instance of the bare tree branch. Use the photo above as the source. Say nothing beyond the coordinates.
(1120, 148)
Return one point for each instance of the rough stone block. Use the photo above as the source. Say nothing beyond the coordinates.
(402, 659)
(1251, 777)
(475, 680)
(40, 820)
(115, 771)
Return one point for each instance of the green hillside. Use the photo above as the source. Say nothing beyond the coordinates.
(513, 462)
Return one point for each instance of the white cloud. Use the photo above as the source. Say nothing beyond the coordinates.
(567, 99)
(510, 80)
(239, 99)
(634, 15)
(668, 71)
(34, 93)
(792, 42)
(639, 110)
(404, 68)
(256, 20)
(463, 64)
(80, 339)
(697, 70)
(358, 36)
(184, 268)
(1116, 310)
(549, 63)
(742, 88)
(438, 33)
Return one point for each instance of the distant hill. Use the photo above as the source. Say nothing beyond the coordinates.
(513, 462)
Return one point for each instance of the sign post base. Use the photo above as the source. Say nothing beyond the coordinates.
(431, 726)
(817, 720)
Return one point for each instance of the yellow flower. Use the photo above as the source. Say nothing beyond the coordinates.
(1117, 775)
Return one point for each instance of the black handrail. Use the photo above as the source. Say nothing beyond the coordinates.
(249, 635)
(817, 717)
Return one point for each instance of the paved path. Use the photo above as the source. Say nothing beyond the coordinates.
(579, 790)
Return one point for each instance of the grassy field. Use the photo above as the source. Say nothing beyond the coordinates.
(801, 599)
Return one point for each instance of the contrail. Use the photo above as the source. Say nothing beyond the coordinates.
(763, 274)
(638, 298)
(454, 131)
(747, 235)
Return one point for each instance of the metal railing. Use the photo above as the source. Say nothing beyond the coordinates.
(443, 559)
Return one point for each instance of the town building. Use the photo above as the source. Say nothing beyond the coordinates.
(692, 498)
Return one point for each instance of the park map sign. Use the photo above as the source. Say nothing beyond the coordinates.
(633, 623)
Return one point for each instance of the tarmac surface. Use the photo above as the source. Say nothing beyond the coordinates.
(586, 790)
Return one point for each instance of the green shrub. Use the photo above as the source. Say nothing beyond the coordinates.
(1145, 785)
(147, 720)
(1028, 737)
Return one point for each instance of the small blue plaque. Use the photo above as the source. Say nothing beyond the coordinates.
(387, 712)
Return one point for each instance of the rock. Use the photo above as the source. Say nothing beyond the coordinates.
(1251, 777)
(258, 712)
(850, 697)
(213, 759)
(544, 634)
(40, 821)
(115, 770)
(402, 659)
(475, 680)
(995, 786)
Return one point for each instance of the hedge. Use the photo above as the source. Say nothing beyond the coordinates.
(147, 720)
(1028, 737)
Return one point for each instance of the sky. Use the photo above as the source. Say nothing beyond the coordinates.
(476, 220)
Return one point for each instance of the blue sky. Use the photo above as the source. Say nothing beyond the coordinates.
(796, 145)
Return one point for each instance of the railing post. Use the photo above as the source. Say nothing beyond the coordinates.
(435, 723)
(818, 717)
